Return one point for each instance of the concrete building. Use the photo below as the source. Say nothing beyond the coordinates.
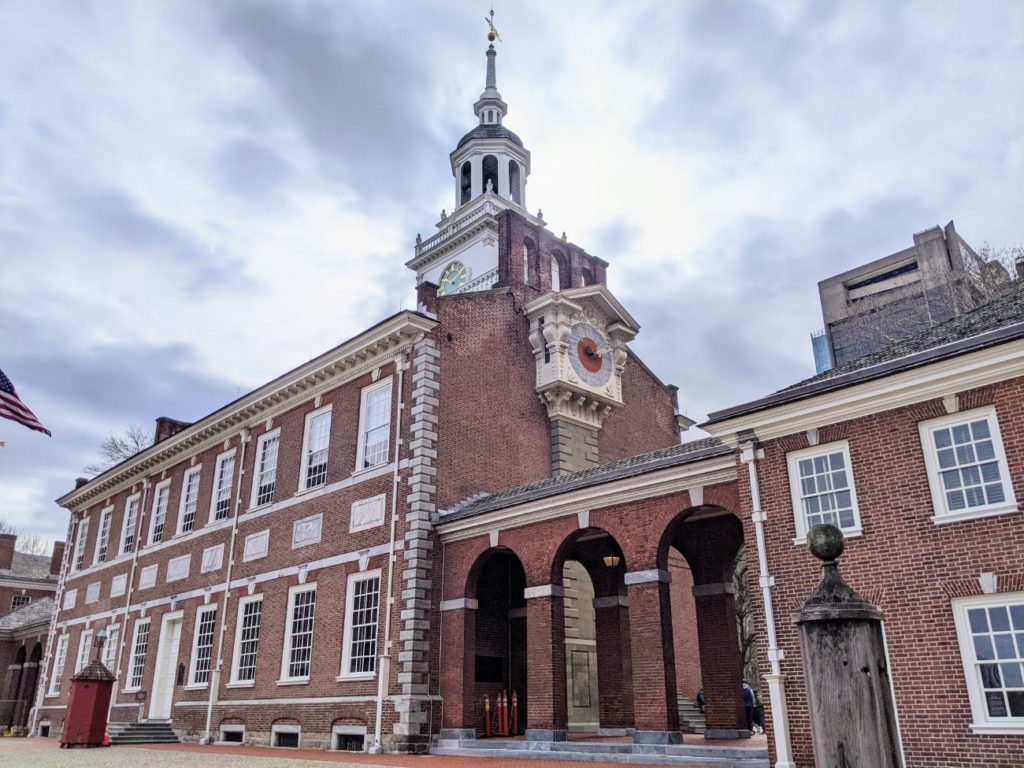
(883, 301)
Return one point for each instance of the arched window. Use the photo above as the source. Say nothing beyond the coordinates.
(490, 168)
(466, 182)
(588, 277)
(561, 277)
(556, 277)
(526, 262)
(513, 182)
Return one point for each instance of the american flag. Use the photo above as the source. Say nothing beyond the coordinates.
(12, 408)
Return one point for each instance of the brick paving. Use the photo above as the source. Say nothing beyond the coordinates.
(45, 753)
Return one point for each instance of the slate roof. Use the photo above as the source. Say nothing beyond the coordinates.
(29, 567)
(489, 131)
(37, 612)
(996, 322)
(663, 458)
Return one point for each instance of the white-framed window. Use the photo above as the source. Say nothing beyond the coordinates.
(224, 475)
(822, 489)
(131, 517)
(103, 539)
(189, 499)
(19, 601)
(161, 493)
(60, 657)
(374, 425)
(247, 639)
(264, 476)
(110, 649)
(298, 638)
(362, 610)
(84, 645)
(83, 534)
(966, 463)
(202, 645)
(137, 662)
(315, 443)
(990, 629)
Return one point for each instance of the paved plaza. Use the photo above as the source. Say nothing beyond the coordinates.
(45, 753)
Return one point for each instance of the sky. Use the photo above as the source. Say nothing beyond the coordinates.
(197, 196)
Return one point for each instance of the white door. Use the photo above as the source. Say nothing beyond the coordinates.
(166, 666)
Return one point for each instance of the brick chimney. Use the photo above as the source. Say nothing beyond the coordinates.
(426, 297)
(80, 481)
(168, 427)
(7, 542)
(56, 557)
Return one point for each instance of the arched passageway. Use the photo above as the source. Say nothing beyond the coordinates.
(598, 662)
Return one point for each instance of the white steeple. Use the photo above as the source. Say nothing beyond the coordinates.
(490, 158)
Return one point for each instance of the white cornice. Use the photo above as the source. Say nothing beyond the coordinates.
(957, 374)
(720, 469)
(369, 350)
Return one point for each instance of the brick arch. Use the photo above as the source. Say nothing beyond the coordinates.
(589, 546)
(482, 560)
(708, 536)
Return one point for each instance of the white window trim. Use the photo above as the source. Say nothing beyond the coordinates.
(81, 534)
(304, 464)
(360, 444)
(256, 467)
(981, 723)
(191, 684)
(931, 461)
(231, 728)
(139, 623)
(793, 464)
(180, 524)
(110, 649)
(218, 468)
(84, 644)
(346, 647)
(286, 651)
(236, 659)
(152, 512)
(60, 661)
(108, 513)
(137, 498)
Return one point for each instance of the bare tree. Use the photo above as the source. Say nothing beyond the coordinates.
(745, 618)
(28, 543)
(118, 447)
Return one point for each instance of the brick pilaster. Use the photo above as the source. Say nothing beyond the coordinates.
(656, 707)
(614, 663)
(457, 680)
(720, 661)
(545, 671)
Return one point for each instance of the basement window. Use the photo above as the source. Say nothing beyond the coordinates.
(349, 738)
(232, 734)
(285, 736)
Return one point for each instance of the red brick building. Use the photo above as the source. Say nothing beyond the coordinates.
(27, 586)
(489, 495)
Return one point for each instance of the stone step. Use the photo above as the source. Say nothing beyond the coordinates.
(141, 733)
(629, 753)
(704, 759)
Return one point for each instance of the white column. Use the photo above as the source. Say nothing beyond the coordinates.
(503, 189)
(476, 164)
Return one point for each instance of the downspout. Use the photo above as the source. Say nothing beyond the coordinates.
(245, 435)
(384, 668)
(42, 685)
(749, 454)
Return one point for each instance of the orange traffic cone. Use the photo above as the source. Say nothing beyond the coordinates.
(106, 737)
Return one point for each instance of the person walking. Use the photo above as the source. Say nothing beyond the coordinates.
(748, 704)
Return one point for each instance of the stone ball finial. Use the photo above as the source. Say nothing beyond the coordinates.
(825, 542)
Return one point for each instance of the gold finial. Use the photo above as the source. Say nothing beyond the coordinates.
(492, 32)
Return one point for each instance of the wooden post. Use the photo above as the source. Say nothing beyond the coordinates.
(853, 719)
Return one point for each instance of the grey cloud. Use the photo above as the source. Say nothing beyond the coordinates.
(252, 170)
(356, 96)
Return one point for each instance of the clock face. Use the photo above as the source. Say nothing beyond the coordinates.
(590, 354)
(453, 278)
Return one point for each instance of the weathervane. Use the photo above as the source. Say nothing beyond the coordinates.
(492, 33)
